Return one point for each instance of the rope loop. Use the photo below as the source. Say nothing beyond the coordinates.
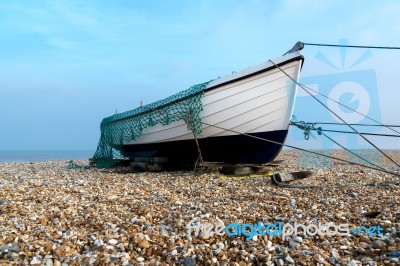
(307, 127)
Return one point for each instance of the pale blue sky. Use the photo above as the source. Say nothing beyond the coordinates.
(64, 65)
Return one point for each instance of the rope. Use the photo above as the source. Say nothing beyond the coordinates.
(315, 98)
(355, 154)
(365, 125)
(363, 133)
(323, 95)
(307, 127)
(353, 46)
(301, 149)
(319, 129)
(200, 158)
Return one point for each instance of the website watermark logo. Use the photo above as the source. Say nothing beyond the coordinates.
(250, 231)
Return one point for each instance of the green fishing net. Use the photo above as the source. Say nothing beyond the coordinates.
(127, 126)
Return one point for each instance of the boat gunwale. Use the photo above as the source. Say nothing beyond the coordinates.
(264, 69)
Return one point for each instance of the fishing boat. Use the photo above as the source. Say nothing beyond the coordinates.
(257, 101)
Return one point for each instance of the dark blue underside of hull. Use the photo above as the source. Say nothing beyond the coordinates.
(227, 149)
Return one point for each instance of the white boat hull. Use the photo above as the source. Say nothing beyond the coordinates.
(258, 101)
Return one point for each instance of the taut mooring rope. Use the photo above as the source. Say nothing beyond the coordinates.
(352, 46)
(301, 149)
(341, 119)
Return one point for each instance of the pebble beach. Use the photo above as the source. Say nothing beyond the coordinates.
(52, 215)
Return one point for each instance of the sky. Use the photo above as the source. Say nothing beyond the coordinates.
(65, 65)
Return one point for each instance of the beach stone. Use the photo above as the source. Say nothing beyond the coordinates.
(288, 259)
(363, 245)
(282, 250)
(262, 257)
(366, 260)
(298, 239)
(14, 255)
(144, 244)
(298, 215)
(35, 261)
(217, 251)
(365, 239)
(386, 224)
(209, 262)
(302, 262)
(378, 244)
(189, 261)
(387, 241)
(394, 254)
(112, 241)
(335, 253)
(361, 250)
(9, 248)
(352, 263)
(243, 252)
(99, 242)
(294, 244)
(354, 194)
(204, 236)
